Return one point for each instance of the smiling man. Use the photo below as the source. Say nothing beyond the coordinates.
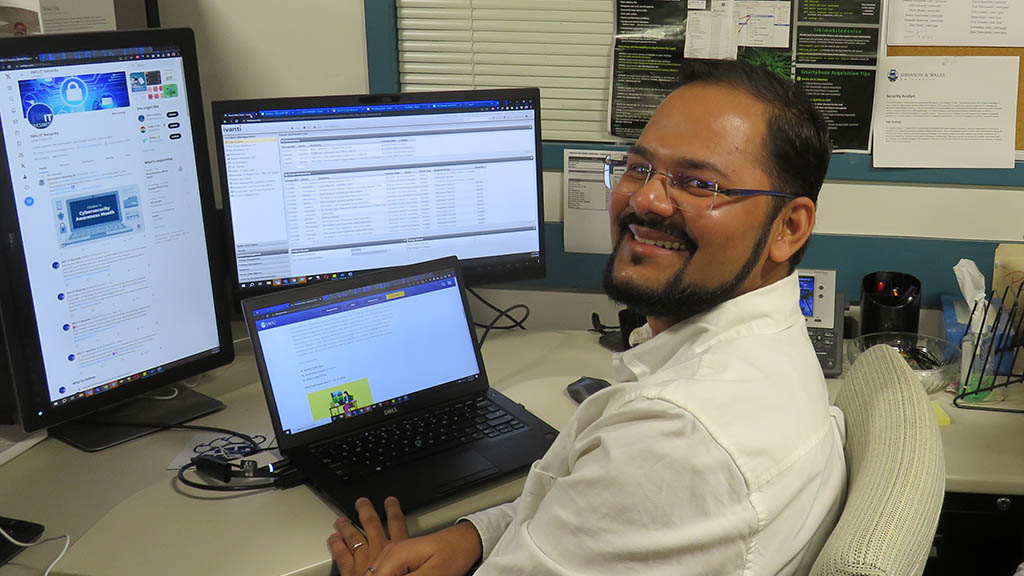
(716, 451)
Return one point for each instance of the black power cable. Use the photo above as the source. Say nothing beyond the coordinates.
(506, 313)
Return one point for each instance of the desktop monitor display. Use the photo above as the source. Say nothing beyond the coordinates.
(110, 261)
(320, 188)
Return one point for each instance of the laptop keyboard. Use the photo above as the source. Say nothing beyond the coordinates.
(415, 437)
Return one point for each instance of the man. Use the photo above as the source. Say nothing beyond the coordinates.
(716, 452)
(20, 29)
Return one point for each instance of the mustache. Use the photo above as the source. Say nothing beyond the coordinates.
(659, 225)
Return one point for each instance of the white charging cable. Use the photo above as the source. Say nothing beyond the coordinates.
(67, 542)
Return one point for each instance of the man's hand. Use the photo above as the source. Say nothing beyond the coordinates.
(355, 553)
(449, 552)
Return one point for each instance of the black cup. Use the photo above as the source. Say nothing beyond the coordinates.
(889, 302)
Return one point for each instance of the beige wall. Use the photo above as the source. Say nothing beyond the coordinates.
(270, 48)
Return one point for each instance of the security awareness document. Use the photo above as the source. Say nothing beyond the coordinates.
(946, 112)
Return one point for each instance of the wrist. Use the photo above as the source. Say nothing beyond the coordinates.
(469, 539)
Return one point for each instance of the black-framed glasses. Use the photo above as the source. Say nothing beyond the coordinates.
(688, 194)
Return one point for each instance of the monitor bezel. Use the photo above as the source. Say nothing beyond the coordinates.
(475, 271)
(26, 372)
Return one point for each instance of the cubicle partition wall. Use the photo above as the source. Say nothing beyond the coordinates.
(920, 221)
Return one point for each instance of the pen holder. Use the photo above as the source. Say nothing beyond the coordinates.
(889, 302)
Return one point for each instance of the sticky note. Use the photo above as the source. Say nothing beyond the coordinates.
(940, 415)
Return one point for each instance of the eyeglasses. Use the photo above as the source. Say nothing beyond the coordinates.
(688, 194)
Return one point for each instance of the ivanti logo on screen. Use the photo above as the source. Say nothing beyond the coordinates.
(44, 98)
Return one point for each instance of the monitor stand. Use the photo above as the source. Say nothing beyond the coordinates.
(134, 418)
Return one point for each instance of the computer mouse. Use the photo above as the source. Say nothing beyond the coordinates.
(581, 389)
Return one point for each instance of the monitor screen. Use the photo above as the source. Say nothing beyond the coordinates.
(111, 269)
(320, 188)
(806, 295)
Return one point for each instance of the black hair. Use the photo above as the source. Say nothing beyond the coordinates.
(798, 149)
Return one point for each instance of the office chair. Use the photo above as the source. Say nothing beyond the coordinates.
(896, 472)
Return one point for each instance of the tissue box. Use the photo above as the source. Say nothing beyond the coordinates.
(956, 314)
(954, 317)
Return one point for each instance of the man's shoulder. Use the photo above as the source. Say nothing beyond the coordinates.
(765, 406)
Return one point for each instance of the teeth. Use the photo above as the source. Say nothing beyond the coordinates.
(660, 243)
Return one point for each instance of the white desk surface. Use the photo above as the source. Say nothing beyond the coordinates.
(126, 515)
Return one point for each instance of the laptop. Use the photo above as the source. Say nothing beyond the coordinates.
(376, 386)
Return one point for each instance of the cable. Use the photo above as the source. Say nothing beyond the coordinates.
(282, 473)
(519, 323)
(242, 339)
(516, 323)
(193, 384)
(598, 326)
(67, 542)
(174, 394)
(502, 313)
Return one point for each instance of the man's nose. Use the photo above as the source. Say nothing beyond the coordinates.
(653, 197)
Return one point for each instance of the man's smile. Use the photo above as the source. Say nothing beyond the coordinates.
(650, 237)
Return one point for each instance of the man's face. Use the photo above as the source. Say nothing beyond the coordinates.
(20, 29)
(716, 134)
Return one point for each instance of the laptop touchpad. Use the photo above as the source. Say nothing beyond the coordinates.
(451, 473)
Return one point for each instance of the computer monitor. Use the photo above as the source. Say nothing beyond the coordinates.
(317, 188)
(111, 262)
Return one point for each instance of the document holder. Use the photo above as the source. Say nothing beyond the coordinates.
(989, 352)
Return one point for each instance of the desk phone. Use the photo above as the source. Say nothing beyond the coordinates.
(823, 311)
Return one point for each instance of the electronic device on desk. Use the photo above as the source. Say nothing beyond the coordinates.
(21, 530)
(823, 310)
(324, 188)
(354, 420)
(111, 265)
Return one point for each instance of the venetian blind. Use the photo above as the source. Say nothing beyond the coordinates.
(563, 48)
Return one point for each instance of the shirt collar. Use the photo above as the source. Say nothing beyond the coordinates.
(768, 309)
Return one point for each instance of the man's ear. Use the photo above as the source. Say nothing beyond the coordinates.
(792, 229)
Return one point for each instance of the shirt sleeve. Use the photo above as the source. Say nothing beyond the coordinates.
(491, 524)
(649, 491)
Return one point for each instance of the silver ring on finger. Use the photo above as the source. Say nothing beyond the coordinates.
(357, 545)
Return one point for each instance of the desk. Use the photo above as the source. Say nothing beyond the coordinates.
(126, 515)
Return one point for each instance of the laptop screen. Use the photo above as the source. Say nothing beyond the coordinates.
(345, 354)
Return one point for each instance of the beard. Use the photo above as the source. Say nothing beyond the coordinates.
(675, 298)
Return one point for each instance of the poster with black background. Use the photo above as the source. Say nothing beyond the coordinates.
(841, 11)
(841, 45)
(648, 52)
(844, 97)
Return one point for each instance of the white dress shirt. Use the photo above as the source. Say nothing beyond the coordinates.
(716, 452)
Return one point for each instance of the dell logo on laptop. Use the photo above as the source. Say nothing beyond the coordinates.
(390, 411)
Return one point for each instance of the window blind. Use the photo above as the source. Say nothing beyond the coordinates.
(564, 48)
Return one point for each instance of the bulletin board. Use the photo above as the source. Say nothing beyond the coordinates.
(974, 51)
